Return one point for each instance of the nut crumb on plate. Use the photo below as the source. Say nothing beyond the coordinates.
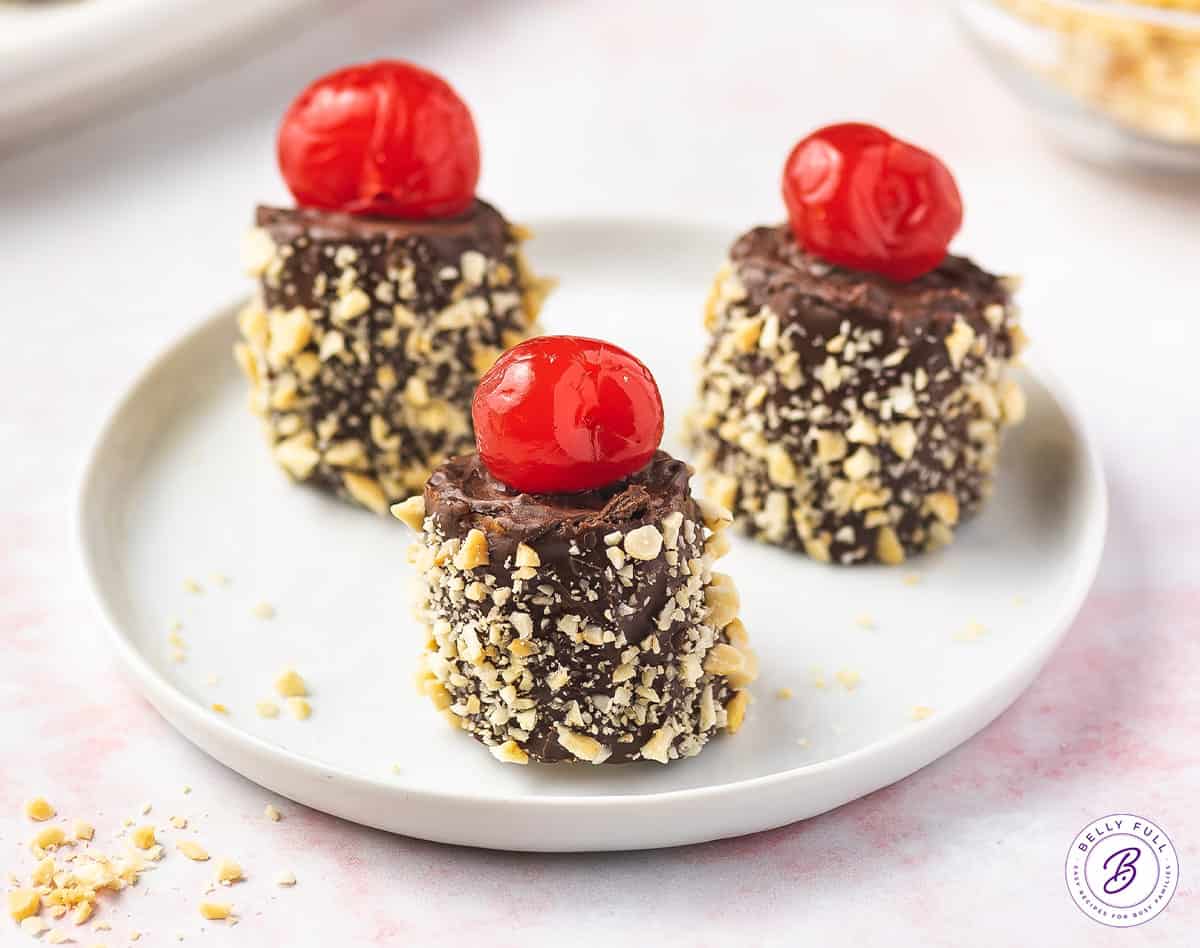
(267, 709)
(849, 679)
(289, 684)
(300, 709)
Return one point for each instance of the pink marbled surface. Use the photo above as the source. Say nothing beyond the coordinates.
(120, 234)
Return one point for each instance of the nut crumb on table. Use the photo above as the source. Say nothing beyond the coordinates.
(39, 810)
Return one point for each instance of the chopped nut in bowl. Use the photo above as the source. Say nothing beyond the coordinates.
(1117, 81)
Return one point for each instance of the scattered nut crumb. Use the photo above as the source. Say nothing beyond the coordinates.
(190, 585)
(219, 708)
(179, 822)
(264, 610)
(39, 810)
(146, 808)
(784, 694)
(802, 741)
(22, 903)
(33, 925)
(186, 788)
(192, 850)
(285, 878)
(289, 684)
(911, 579)
(220, 579)
(43, 872)
(229, 872)
(920, 712)
(267, 709)
(849, 679)
(300, 708)
(865, 621)
(272, 814)
(47, 840)
(83, 830)
(143, 837)
(215, 911)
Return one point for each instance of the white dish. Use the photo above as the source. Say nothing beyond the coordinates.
(62, 59)
(180, 486)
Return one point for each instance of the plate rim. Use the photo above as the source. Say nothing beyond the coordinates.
(161, 692)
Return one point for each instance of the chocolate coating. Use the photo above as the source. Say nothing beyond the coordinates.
(598, 608)
(803, 289)
(368, 336)
(847, 415)
(462, 494)
(481, 227)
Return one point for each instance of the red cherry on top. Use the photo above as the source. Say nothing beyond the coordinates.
(386, 139)
(860, 198)
(562, 414)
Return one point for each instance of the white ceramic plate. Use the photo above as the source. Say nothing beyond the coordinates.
(180, 486)
(61, 59)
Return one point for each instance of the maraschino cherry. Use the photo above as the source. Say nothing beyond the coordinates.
(385, 139)
(859, 198)
(563, 414)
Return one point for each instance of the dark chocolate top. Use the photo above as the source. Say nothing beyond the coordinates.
(800, 287)
(462, 494)
(481, 227)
